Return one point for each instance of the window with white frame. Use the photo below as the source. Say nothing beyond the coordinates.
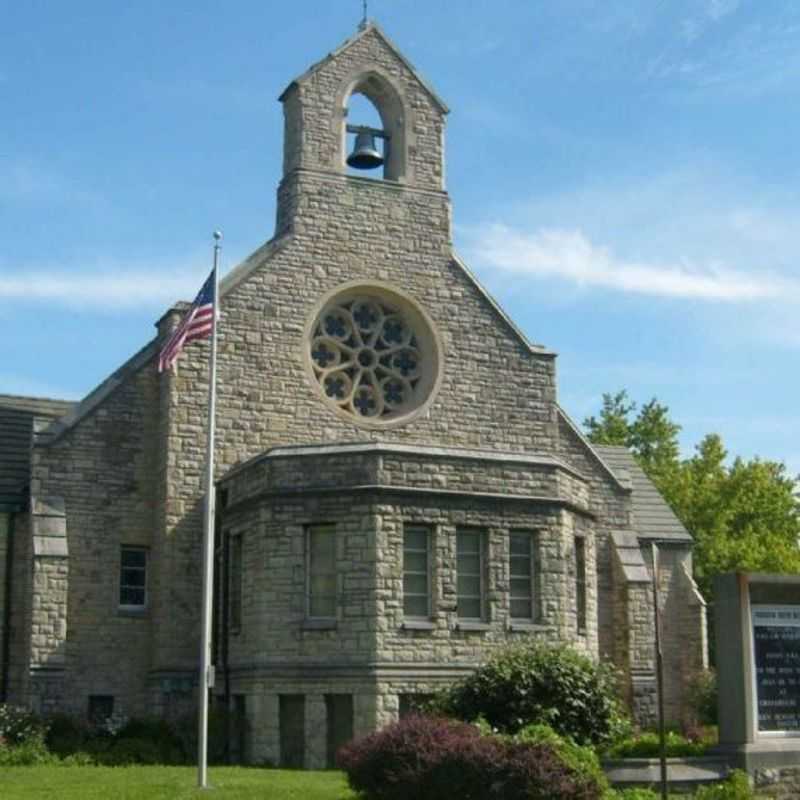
(416, 571)
(133, 578)
(321, 571)
(470, 574)
(523, 575)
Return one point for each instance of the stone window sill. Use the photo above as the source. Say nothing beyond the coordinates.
(418, 625)
(520, 626)
(135, 613)
(478, 627)
(319, 624)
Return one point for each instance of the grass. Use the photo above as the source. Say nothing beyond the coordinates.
(170, 783)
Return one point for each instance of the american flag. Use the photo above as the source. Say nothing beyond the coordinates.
(197, 324)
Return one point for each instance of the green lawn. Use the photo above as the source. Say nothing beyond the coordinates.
(175, 783)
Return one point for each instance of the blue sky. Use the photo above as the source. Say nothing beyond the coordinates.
(624, 177)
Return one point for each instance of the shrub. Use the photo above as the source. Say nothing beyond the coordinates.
(18, 726)
(582, 760)
(124, 752)
(65, 735)
(27, 754)
(429, 758)
(736, 787)
(703, 697)
(224, 726)
(527, 684)
(648, 745)
(163, 736)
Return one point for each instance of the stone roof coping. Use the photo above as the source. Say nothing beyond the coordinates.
(539, 349)
(363, 31)
(620, 480)
(53, 432)
(289, 451)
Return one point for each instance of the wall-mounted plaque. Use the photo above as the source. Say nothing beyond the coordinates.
(776, 661)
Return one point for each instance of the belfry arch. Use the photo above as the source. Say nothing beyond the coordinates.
(388, 101)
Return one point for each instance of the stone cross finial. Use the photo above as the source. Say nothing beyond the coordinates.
(364, 17)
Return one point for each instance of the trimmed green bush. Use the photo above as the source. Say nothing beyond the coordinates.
(65, 734)
(540, 684)
(648, 745)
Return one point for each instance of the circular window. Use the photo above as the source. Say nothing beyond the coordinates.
(373, 354)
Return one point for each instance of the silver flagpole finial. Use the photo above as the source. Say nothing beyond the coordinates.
(217, 235)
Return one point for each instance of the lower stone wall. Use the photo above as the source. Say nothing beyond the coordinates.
(779, 783)
(375, 702)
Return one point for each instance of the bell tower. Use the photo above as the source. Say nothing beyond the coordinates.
(322, 142)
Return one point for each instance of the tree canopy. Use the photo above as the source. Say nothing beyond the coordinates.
(743, 515)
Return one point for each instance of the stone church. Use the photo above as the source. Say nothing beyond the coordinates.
(399, 493)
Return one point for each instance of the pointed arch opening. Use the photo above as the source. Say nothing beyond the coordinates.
(371, 101)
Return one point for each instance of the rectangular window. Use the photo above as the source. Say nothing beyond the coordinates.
(416, 575)
(101, 707)
(470, 568)
(133, 578)
(236, 582)
(580, 581)
(292, 730)
(321, 571)
(523, 574)
(339, 716)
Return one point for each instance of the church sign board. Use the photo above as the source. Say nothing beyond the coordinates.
(776, 673)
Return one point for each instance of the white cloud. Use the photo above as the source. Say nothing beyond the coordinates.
(568, 254)
(106, 290)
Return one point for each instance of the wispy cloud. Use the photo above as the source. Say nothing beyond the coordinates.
(568, 254)
(123, 288)
(26, 182)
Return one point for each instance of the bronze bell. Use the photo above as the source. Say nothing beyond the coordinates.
(365, 155)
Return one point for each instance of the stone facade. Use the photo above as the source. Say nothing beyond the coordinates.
(491, 453)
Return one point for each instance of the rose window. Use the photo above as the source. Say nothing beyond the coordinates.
(372, 358)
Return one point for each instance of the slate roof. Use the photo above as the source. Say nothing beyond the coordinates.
(652, 516)
(16, 425)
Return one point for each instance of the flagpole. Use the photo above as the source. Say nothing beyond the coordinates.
(206, 669)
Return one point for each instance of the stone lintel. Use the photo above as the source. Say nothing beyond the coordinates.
(50, 546)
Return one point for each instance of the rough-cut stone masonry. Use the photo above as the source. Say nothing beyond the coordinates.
(492, 450)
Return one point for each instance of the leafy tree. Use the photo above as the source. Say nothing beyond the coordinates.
(743, 517)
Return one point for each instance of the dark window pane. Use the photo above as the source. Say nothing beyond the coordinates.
(415, 539)
(520, 544)
(415, 562)
(131, 597)
(468, 608)
(468, 543)
(323, 606)
(415, 584)
(470, 565)
(521, 609)
(133, 577)
(134, 558)
(415, 606)
(520, 587)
